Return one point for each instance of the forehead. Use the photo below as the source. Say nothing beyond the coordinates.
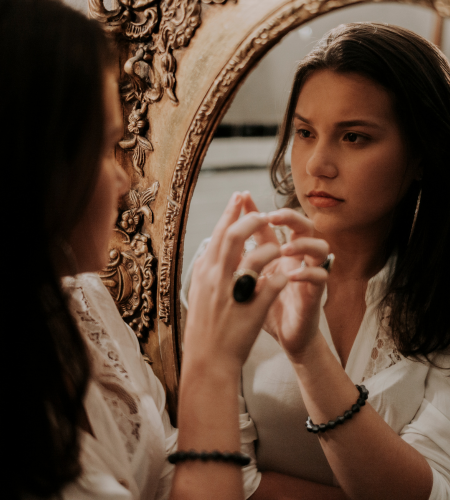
(342, 96)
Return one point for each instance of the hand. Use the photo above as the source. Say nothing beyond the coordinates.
(293, 318)
(217, 327)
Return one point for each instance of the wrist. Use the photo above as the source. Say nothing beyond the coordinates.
(210, 369)
(208, 405)
(311, 354)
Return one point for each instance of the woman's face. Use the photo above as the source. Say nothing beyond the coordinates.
(350, 163)
(90, 237)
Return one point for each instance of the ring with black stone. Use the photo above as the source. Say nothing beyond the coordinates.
(327, 264)
(245, 284)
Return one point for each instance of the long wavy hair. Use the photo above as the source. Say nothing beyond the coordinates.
(53, 62)
(417, 75)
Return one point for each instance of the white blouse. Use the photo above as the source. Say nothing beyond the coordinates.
(125, 405)
(412, 397)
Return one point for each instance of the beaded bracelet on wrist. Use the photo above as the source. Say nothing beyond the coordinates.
(215, 456)
(363, 395)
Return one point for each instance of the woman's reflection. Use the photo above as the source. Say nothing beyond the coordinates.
(370, 113)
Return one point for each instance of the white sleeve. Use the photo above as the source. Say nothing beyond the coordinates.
(429, 431)
(171, 436)
(250, 475)
(98, 481)
(156, 390)
(95, 486)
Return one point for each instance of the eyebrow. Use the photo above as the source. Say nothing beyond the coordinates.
(343, 124)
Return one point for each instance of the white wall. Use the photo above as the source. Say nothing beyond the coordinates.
(263, 96)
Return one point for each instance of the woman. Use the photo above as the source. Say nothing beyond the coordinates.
(370, 114)
(83, 415)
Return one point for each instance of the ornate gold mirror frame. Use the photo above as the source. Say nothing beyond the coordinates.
(181, 63)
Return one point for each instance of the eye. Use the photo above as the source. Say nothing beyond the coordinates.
(353, 137)
(304, 133)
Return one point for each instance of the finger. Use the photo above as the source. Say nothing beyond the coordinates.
(300, 225)
(315, 250)
(248, 204)
(314, 275)
(264, 235)
(234, 238)
(229, 216)
(257, 259)
(268, 289)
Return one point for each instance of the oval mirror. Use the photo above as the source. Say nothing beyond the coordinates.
(181, 64)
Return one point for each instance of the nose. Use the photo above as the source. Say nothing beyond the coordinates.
(323, 161)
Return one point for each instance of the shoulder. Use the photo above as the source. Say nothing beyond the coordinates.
(91, 302)
(437, 385)
(92, 286)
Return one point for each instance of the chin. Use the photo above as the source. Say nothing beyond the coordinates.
(327, 224)
(102, 262)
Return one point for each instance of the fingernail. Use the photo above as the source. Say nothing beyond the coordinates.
(263, 215)
(236, 198)
(286, 249)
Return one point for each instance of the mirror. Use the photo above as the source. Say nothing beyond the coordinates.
(240, 153)
(181, 64)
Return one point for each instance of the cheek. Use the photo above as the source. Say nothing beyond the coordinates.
(100, 212)
(298, 167)
(377, 186)
(382, 175)
(104, 201)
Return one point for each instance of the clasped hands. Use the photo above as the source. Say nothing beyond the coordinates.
(293, 317)
(286, 302)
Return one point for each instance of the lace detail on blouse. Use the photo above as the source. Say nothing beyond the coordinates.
(109, 371)
(384, 352)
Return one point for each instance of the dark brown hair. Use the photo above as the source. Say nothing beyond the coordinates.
(417, 75)
(53, 62)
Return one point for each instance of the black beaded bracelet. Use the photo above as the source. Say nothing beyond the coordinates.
(363, 395)
(216, 456)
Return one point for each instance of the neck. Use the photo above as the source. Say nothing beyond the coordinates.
(64, 259)
(359, 254)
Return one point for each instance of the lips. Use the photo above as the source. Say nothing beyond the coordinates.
(321, 199)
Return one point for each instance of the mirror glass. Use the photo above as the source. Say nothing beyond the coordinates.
(240, 153)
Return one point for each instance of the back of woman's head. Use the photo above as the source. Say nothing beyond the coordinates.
(417, 76)
(53, 61)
